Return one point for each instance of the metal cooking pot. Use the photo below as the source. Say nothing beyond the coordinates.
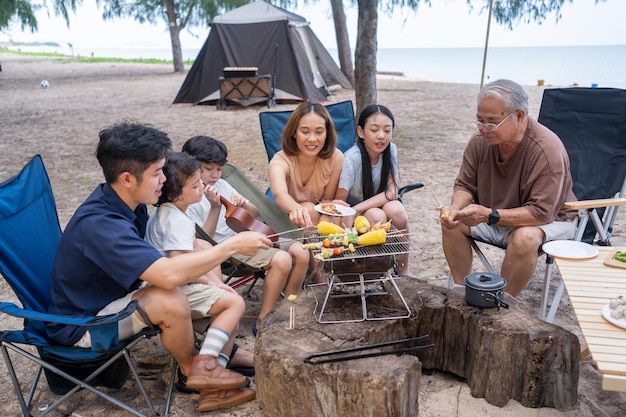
(484, 289)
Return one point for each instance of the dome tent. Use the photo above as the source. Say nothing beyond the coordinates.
(272, 39)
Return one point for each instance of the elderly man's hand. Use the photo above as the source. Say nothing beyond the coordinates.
(472, 215)
(447, 217)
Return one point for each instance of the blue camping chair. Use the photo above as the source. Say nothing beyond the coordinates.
(342, 114)
(273, 122)
(29, 234)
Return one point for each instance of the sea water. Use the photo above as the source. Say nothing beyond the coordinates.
(585, 66)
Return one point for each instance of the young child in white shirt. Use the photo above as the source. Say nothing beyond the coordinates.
(173, 233)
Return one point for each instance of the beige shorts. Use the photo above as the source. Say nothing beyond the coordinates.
(260, 259)
(497, 235)
(201, 298)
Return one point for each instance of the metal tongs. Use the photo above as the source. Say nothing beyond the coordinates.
(315, 359)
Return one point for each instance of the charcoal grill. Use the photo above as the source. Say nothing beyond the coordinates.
(365, 274)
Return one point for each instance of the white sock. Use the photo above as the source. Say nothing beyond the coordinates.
(214, 342)
(455, 285)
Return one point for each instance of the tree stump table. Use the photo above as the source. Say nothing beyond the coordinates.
(503, 354)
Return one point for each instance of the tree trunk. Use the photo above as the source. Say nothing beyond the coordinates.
(177, 52)
(365, 54)
(502, 354)
(343, 42)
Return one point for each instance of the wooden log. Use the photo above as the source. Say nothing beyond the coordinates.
(503, 355)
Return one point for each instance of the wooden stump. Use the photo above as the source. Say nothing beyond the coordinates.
(503, 354)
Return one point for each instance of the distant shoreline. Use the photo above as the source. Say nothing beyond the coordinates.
(86, 59)
(567, 66)
(5, 45)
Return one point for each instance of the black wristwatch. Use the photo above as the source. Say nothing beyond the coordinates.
(494, 217)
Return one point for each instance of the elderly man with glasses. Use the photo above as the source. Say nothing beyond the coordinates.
(513, 181)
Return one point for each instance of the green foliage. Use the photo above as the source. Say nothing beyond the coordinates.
(511, 12)
(20, 10)
(24, 11)
(389, 6)
(188, 12)
(63, 7)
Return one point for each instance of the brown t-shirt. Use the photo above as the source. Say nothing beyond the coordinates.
(536, 176)
(315, 186)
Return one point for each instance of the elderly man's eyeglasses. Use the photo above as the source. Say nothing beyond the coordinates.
(489, 127)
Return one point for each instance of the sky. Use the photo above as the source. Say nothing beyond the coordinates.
(446, 24)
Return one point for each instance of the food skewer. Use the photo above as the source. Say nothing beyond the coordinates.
(289, 231)
(445, 213)
(439, 205)
(292, 311)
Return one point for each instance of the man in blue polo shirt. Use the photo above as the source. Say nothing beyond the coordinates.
(103, 262)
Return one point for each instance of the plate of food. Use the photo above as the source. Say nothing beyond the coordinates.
(615, 311)
(570, 249)
(334, 209)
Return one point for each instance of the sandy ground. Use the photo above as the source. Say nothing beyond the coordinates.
(432, 126)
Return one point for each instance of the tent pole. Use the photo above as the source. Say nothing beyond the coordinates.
(482, 76)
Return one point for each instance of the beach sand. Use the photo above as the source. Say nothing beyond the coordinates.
(432, 126)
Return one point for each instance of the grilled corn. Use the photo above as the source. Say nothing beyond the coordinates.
(361, 224)
(375, 237)
(328, 228)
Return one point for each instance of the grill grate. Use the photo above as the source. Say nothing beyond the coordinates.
(362, 274)
(397, 244)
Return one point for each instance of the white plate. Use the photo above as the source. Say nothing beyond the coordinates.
(570, 249)
(345, 211)
(606, 313)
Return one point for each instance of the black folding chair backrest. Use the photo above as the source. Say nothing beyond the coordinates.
(591, 122)
(342, 114)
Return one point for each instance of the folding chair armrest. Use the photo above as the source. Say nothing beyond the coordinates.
(201, 234)
(407, 188)
(89, 321)
(590, 204)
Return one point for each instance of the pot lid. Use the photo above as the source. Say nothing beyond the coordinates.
(485, 281)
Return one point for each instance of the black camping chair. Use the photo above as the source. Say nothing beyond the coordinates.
(29, 233)
(591, 123)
